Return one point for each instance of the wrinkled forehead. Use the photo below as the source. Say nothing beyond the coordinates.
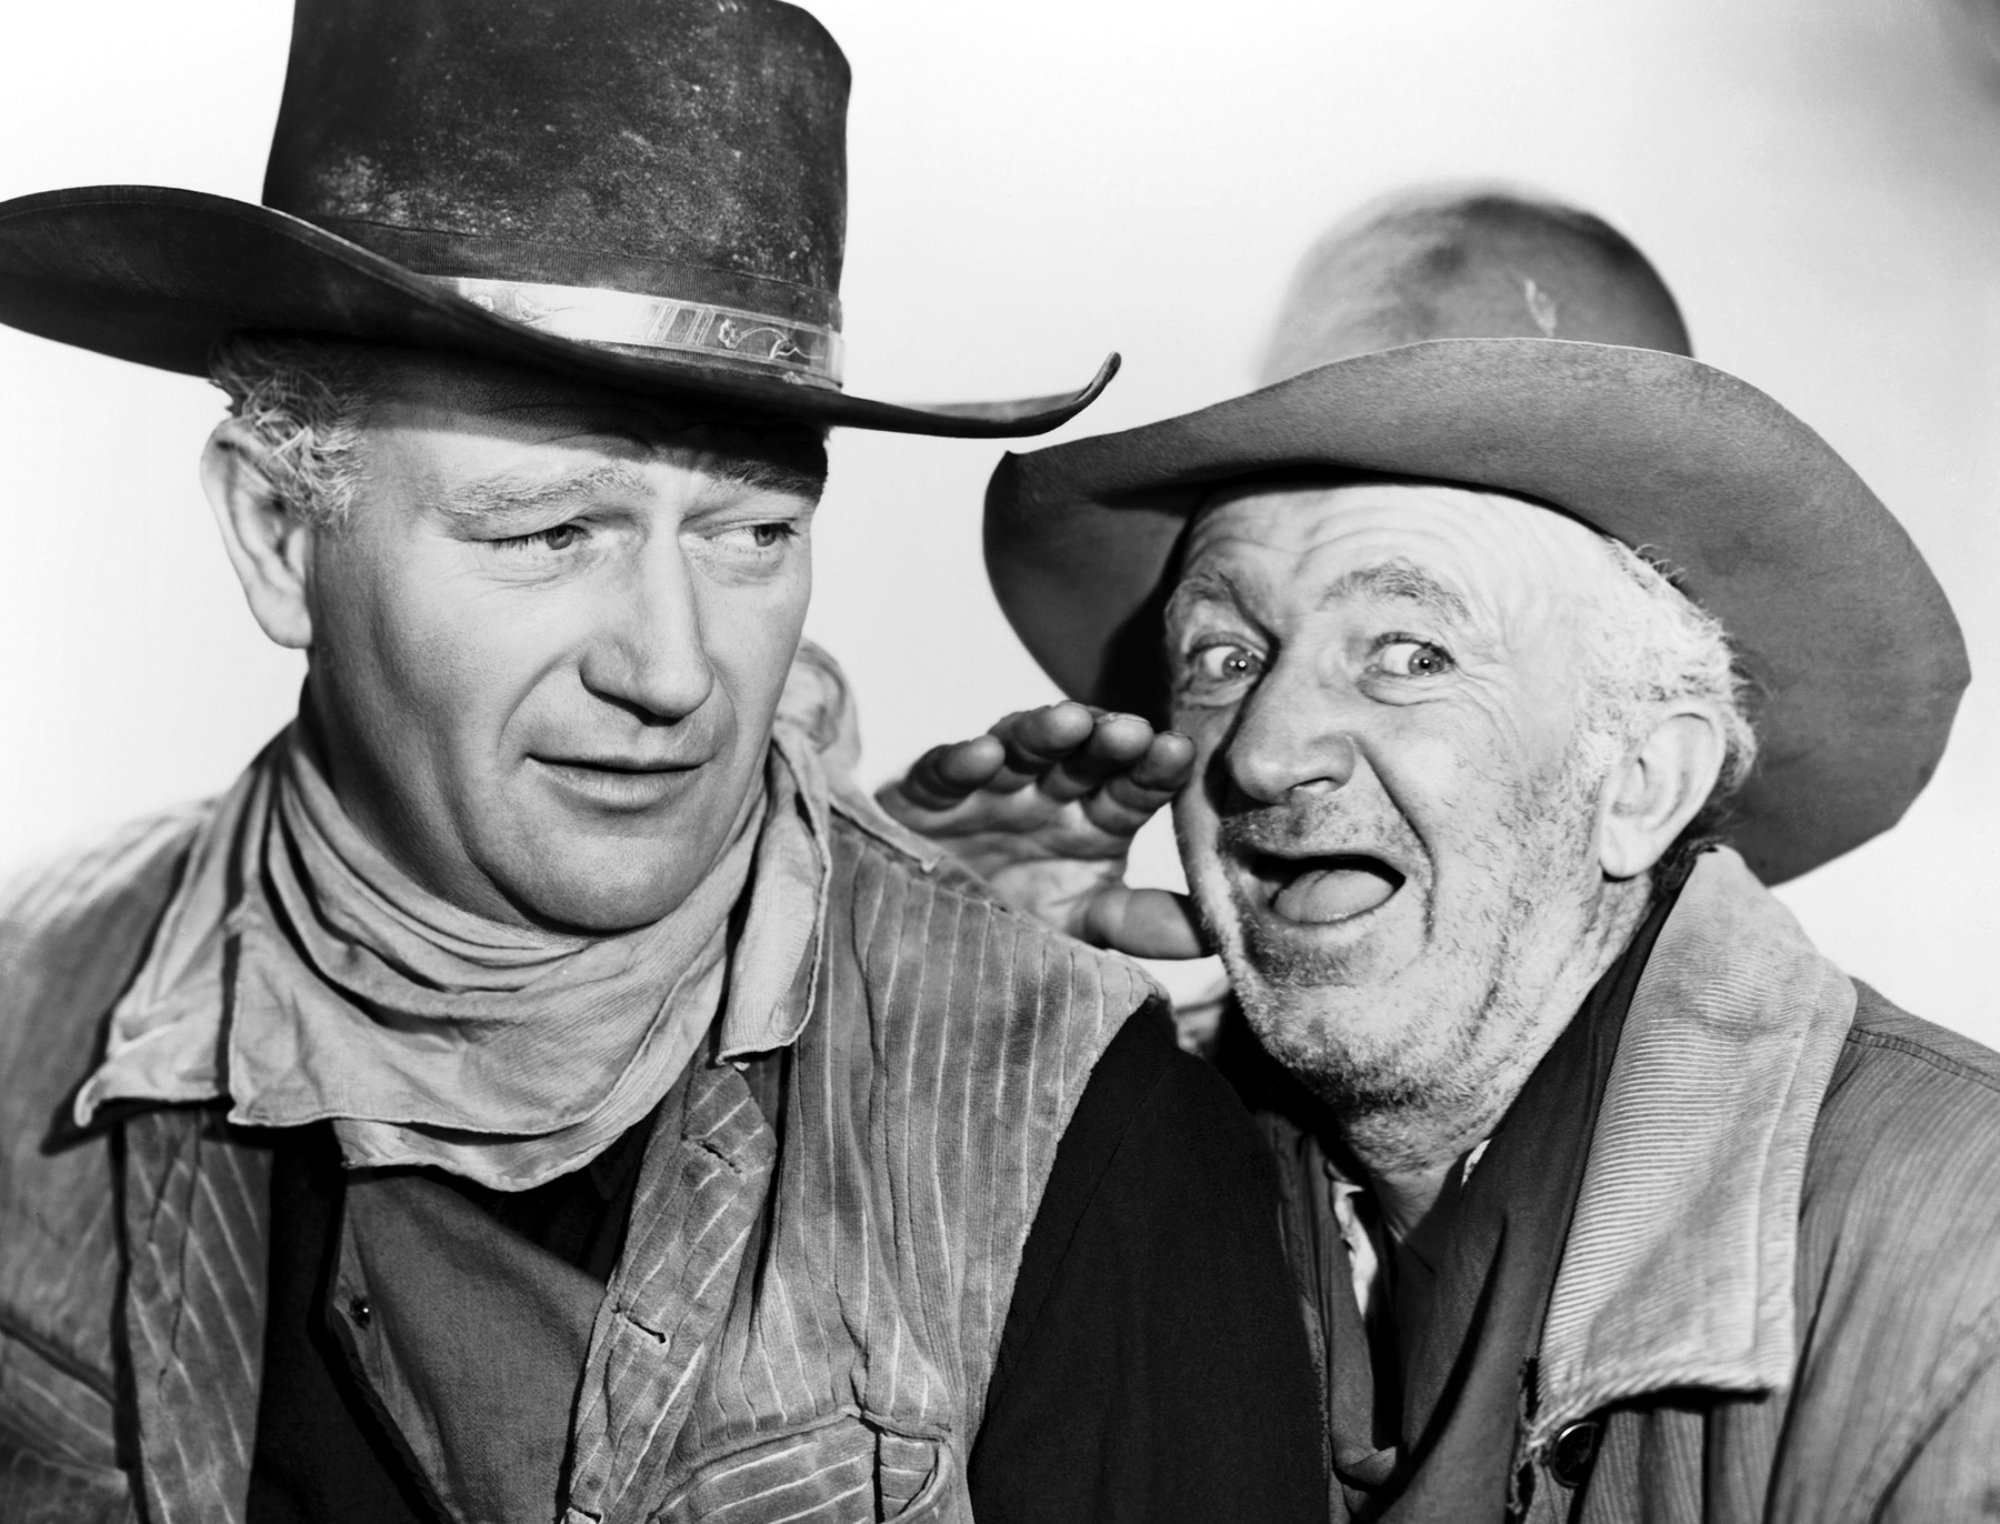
(513, 408)
(1296, 543)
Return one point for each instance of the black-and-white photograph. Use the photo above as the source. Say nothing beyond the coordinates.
(1040, 763)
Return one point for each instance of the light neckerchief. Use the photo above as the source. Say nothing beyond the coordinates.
(299, 962)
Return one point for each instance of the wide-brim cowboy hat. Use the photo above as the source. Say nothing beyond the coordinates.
(1855, 660)
(642, 194)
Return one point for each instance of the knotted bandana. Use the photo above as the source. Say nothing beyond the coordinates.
(303, 975)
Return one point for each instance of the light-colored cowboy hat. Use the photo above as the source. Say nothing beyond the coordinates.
(1855, 660)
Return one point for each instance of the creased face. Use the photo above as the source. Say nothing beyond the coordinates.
(1392, 832)
(548, 642)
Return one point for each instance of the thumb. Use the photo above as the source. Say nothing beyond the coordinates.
(1144, 923)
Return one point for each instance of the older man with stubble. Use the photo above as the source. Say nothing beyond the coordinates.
(1505, 673)
(538, 1088)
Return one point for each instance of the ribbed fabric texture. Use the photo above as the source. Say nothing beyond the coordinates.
(1678, 1269)
(859, 1281)
(1890, 1409)
(819, 1268)
(1782, 1290)
(196, 1210)
(71, 937)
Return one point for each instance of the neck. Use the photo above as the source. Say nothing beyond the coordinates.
(1405, 1147)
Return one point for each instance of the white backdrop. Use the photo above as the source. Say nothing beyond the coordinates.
(1035, 182)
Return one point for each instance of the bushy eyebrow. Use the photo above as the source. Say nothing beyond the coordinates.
(1199, 587)
(1398, 580)
(504, 496)
(769, 476)
(501, 496)
(1401, 581)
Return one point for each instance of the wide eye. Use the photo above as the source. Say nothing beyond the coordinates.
(1222, 664)
(1405, 656)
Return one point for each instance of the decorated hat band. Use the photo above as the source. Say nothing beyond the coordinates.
(638, 323)
(647, 195)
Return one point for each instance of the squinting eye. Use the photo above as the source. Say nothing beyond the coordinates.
(767, 535)
(1413, 658)
(555, 537)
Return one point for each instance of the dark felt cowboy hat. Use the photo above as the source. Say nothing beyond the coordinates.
(645, 194)
(1855, 659)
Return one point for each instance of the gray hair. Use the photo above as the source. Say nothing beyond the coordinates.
(1653, 645)
(305, 398)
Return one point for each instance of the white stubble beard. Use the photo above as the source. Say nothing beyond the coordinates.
(1421, 1065)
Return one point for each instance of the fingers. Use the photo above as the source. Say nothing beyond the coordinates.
(1129, 799)
(1068, 751)
(1115, 743)
(1018, 750)
(1117, 765)
(1166, 766)
(1144, 923)
(945, 775)
(1037, 740)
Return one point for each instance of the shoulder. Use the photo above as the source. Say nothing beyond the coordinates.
(1155, 1122)
(1910, 1106)
(1899, 1241)
(76, 889)
(73, 932)
(1889, 1041)
(1905, 1155)
(1898, 1274)
(906, 913)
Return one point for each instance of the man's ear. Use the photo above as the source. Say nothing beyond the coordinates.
(1660, 786)
(268, 544)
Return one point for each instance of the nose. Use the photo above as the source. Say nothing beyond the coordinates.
(649, 653)
(1291, 737)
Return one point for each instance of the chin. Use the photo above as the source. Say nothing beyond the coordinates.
(598, 899)
(1365, 1048)
(1361, 1025)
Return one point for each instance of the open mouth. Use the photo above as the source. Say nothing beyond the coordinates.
(1320, 890)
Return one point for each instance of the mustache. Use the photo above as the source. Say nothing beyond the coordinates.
(1316, 827)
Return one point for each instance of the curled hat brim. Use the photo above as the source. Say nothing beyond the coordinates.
(1855, 660)
(158, 275)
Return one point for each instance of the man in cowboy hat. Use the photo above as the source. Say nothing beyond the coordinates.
(1610, 1197)
(538, 1089)
(1045, 806)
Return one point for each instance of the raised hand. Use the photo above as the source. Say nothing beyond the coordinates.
(1044, 807)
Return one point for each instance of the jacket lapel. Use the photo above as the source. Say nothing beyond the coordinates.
(196, 1217)
(1678, 1270)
